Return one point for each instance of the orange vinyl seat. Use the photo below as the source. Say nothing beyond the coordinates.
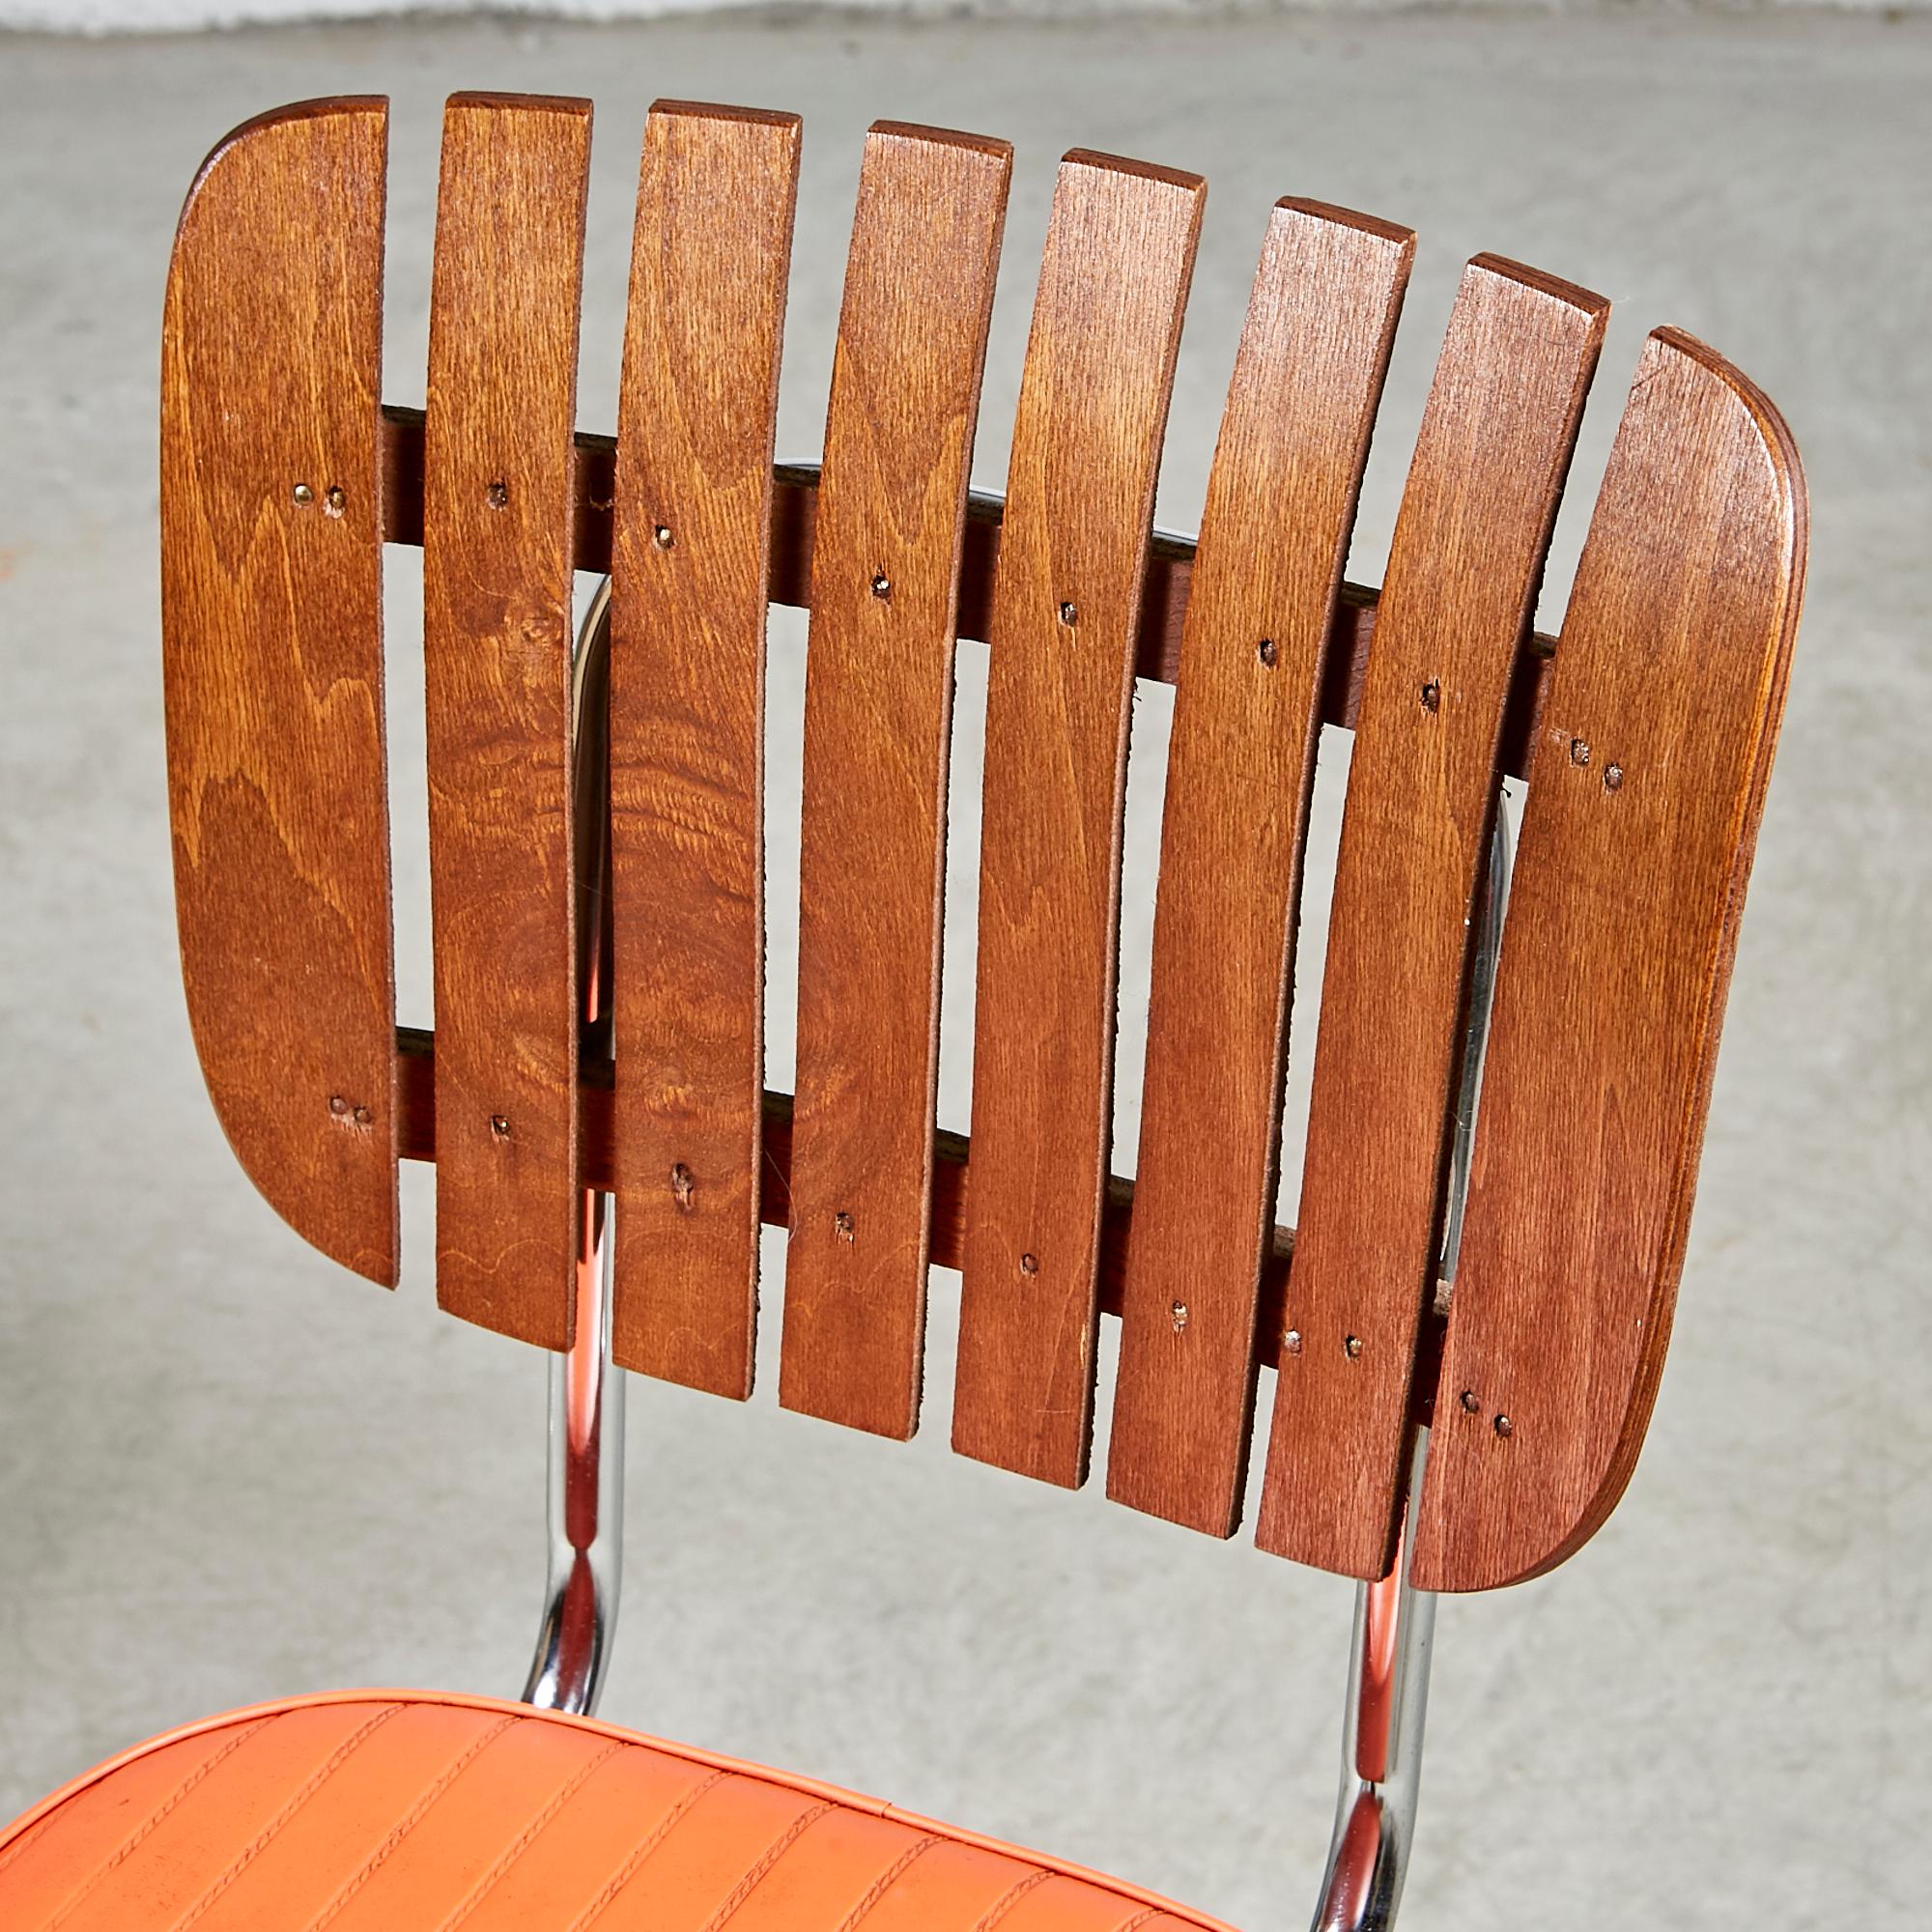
(412, 1808)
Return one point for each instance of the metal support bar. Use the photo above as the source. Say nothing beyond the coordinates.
(1388, 1662)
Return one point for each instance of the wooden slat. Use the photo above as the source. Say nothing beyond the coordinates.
(885, 587)
(1467, 554)
(273, 654)
(1644, 797)
(692, 519)
(497, 630)
(1281, 501)
(1094, 395)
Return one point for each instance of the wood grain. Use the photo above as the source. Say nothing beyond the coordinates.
(273, 661)
(1093, 408)
(692, 525)
(1467, 555)
(885, 589)
(497, 633)
(1644, 798)
(1281, 503)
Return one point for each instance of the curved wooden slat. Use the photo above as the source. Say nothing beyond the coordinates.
(1281, 502)
(272, 658)
(885, 590)
(496, 631)
(1644, 797)
(709, 261)
(1467, 554)
(1094, 395)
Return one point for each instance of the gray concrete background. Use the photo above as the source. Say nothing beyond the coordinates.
(228, 1471)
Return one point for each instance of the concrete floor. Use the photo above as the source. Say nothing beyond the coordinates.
(227, 1471)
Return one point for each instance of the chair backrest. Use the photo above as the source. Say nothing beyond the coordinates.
(1644, 734)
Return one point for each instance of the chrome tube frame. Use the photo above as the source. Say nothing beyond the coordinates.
(586, 1392)
(1395, 1623)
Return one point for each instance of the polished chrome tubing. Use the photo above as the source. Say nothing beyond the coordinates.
(1395, 1625)
(586, 1392)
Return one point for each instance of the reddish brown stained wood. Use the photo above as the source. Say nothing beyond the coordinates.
(1644, 798)
(885, 587)
(1467, 554)
(1094, 395)
(1281, 501)
(794, 506)
(497, 629)
(692, 520)
(272, 658)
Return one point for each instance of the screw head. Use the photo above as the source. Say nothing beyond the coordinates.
(843, 1225)
(302, 494)
(1177, 1313)
(1268, 652)
(335, 500)
(1352, 1347)
(1070, 613)
(1580, 751)
(1028, 1264)
(497, 496)
(1470, 1401)
(662, 536)
(1613, 778)
(1504, 1427)
(337, 1105)
(882, 587)
(362, 1116)
(499, 1125)
(1292, 1342)
(1430, 696)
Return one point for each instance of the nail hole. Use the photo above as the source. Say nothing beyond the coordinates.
(302, 494)
(1470, 1401)
(498, 496)
(1028, 1264)
(1070, 613)
(842, 1222)
(1268, 653)
(1613, 778)
(337, 1105)
(1352, 1347)
(1580, 751)
(882, 587)
(683, 1185)
(662, 536)
(499, 1125)
(1291, 1340)
(335, 500)
(1432, 695)
(1177, 1313)
(1504, 1427)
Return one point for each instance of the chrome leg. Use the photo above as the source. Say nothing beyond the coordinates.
(586, 1392)
(1395, 1625)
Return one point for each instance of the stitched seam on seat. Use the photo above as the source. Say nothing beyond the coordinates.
(772, 1853)
(31, 1835)
(568, 1790)
(1012, 1895)
(336, 1759)
(627, 1870)
(1139, 1919)
(886, 1879)
(130, 1845)
(454, 1770)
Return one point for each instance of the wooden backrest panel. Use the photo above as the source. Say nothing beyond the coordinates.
(1464, 567)
(1281, 501)
(272, 655)
(692, 520)
(1644, 795)
(1093, 408)
(885, 592)
(497, 633)
(615, 1041)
